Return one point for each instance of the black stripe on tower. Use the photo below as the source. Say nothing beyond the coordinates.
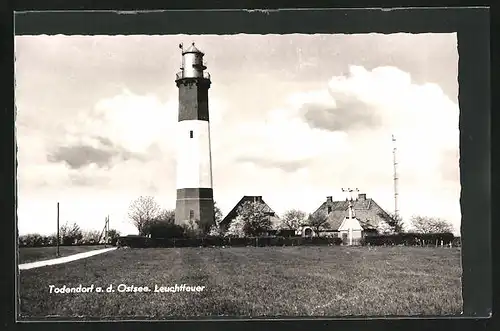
(196, 204)
(193, 99)
(195, 193)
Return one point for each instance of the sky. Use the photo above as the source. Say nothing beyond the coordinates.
(294, 118)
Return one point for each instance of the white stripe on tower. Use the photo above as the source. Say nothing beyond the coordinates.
(194, 169)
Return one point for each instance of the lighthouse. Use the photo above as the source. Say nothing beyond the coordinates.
(195, 203)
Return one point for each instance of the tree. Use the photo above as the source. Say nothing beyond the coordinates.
(293, 219)
(384, 228)
(31, 240)
(393, 222)
(203, 228)
(142, 211)
(215, 229)
(217, 214)
(51, 239)
(424, 224)
(318, 221)
(113, 236)
(191, 228)
(70, 234)
(90, 237)
(255, 217)
(166, 215)
(236, 228)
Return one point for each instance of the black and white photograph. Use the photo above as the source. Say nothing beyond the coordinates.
(206, 176)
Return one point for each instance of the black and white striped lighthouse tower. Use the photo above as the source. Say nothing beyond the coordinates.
(195, 203)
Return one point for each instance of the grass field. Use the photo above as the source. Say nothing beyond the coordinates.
(253, 281)
(32, 254)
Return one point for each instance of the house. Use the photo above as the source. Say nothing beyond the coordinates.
(275, 221)
(366, 215)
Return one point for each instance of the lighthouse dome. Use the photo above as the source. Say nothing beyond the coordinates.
(192, 49)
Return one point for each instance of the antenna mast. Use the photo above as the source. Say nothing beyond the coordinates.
(395, 164)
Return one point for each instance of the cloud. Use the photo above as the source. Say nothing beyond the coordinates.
(287, 166)
(82, 155)
(346, 115)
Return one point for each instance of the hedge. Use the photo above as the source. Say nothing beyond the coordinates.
(143, 242)
(36, 240)
(410, 239)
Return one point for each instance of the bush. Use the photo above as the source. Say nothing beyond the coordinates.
(166, 230)
(410, 239)
(32, 240)
(91, 237)
(70, 234)
(134, 241)
(113, 236)
(286, 233)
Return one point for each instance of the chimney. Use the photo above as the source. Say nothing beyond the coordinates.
(329, 199)
(362, 196)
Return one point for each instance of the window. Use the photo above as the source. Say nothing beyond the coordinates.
(329, 209)
(191, 134)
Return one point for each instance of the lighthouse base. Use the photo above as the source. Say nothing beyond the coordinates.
(195, 208)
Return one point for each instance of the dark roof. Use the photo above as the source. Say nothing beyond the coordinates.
(192, 49)
(367, 211)
(247, 198)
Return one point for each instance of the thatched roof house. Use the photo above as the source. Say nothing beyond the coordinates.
(224, 224)
(366, 210)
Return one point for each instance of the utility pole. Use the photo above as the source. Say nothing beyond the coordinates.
(395, 164)
(106, 229)
(57, 240)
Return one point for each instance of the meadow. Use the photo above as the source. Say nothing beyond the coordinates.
(252, 281)
(33, 254)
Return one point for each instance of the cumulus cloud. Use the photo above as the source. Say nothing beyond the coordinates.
(341, 136)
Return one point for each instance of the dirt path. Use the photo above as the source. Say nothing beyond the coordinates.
(64, 259)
